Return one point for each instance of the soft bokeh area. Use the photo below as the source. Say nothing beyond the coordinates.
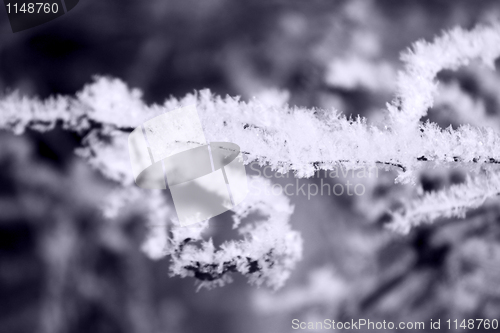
(65, 266)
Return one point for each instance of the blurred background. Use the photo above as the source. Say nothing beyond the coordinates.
(64, 268)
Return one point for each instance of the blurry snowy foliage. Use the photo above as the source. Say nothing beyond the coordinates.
(71, 240)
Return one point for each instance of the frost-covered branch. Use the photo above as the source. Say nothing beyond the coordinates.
(267, 252)
(452, 202)
(268, 134)
(416, 84)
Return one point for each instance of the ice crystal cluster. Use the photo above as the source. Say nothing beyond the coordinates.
(287, 138)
